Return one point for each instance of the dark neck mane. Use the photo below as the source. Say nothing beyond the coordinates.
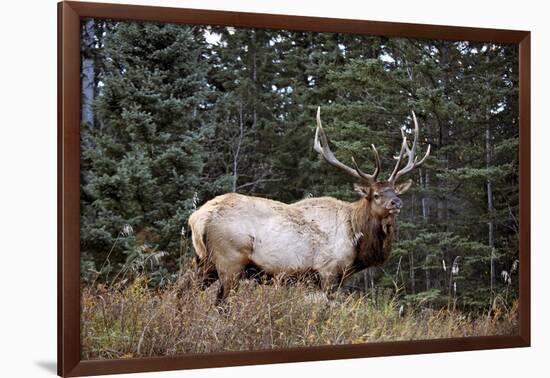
(374, 245)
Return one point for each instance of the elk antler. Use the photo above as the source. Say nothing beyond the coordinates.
(323, 148)
(412, 161)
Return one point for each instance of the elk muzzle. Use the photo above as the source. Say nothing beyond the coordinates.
(394, 205)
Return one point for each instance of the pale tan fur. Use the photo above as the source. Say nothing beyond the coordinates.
(317, 234)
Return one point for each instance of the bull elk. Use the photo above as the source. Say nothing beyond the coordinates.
(324, 235)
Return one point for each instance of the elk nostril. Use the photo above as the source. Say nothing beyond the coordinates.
(396, 203)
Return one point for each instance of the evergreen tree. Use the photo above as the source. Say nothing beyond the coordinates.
(144, 163)
(245, 115)
(183, 114)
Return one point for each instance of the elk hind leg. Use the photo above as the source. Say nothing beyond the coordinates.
(206, 271)
(230, 249)
(229, 272)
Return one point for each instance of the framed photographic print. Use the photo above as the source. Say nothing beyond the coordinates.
(240, 188)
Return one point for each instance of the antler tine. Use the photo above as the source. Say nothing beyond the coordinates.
(399, 158)
(412, 160)
(378, 168)
(412, 151)
(322, 147)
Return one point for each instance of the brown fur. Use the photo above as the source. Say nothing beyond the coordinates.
(375, 244)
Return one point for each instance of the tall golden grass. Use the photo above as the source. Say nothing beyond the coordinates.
(136, 321)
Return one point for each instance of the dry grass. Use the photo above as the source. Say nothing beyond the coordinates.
(136, 321)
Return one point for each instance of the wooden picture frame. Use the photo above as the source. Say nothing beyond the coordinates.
(69, 16)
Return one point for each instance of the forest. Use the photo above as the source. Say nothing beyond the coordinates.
(174, 115)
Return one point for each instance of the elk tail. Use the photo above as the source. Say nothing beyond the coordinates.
(204, 267)
(197, 222)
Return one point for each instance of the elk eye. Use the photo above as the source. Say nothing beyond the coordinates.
(376, 195)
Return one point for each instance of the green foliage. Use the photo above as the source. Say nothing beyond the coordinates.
(184, 113)
(142, 165)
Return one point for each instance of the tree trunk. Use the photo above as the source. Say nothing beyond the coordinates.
(424, 182)
(411, 271)
(238, 148)
(427, 271)
(255, 80)
(442, 208)
(254, 77)
(490, 207)
(88, 74)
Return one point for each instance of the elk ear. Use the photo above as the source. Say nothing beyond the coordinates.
(403, 187)
(363, 191)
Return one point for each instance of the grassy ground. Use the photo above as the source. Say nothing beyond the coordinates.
(136, 321)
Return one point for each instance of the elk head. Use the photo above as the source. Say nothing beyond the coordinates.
(382, 196)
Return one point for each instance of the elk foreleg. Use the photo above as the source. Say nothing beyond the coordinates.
(330, 282)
